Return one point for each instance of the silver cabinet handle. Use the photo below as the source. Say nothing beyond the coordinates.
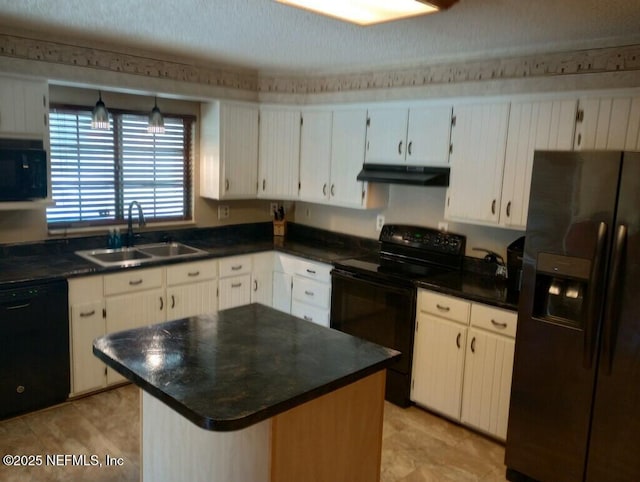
(236, 285)
(226, 184)
(193, 274)
(333, 189)
(498, 324)
(310, 271)
(161, 304)
(87, 314)
(493, 207)
(308, 293)
(442, 307)
(324, 189)
(135, 282)
(473, 345)
(255, 285)
(236, 267)
(409, 147)
(509, 209)
(458, 340)
(308, 318)
(400, 147)
(173, 301)
(264, 184)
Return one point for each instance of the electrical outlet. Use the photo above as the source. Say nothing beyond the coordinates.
(223, 212)
(443, 226)
(379, 222)
(273, 207)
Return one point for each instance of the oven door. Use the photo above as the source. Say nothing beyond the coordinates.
(380, 312)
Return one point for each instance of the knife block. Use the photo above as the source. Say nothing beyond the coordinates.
(279, 227)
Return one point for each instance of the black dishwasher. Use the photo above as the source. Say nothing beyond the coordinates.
(34, 347)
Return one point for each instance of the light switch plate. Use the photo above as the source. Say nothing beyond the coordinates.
(379, 222)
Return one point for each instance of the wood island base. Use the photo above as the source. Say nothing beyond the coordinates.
(335, 437)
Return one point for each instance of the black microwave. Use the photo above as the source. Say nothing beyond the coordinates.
(23, 170)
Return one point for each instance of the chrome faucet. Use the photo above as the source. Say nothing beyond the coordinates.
(130, 235)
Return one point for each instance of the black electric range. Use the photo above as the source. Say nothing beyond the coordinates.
(374, 297)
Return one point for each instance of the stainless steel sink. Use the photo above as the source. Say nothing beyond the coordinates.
(168, 250)
(141, 254)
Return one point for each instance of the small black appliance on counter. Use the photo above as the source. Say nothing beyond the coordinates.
(514, 264)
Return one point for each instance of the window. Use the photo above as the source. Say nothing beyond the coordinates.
(95, 174)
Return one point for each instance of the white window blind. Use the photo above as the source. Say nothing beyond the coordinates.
(96, 174)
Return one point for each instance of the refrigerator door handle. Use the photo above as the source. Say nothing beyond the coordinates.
(594, 298)
(613, 298)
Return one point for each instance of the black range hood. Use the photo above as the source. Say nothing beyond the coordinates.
(413, 175)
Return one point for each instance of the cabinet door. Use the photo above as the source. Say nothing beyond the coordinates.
(347, 156)
(282, 289)
(315, 156)
(608, 124)
(429, 135)
(279, 154)
(132, 311)
(23, 107)
(234, 291)
(478, 138)
(487, 382)
(228, 150)
(438, 364)
(386, 135)
(239, 133)
(192, 299)
(262, 278)
(545, 125)
(87, 324)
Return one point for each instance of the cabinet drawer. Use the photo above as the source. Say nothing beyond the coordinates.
(234, 266)
(310, 313)
(312, 292)
(313, 270)
(136, 280)
(494, 319)
(192, 272)
(445, 306)
(85, 289)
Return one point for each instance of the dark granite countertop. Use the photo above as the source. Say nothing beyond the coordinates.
(472, 286)
(232, 369)
(57, 259)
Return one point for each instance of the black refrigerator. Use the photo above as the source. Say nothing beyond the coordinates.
(575, 397)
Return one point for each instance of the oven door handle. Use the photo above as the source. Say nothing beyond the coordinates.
(363, 279)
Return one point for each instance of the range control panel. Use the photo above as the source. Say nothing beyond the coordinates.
(426, 239)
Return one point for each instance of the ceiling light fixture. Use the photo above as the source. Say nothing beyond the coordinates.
(100, 115)
(156, 121)
(369, 12)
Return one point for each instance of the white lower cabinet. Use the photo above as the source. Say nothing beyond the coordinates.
(192, 289)
(262, 278)
(86, 315)
(235, 281)
(462, 361)
(302, 288)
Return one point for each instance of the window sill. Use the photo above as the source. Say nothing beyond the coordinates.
(104, 229)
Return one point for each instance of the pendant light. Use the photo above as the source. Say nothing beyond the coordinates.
(100, 115)
(156, 121)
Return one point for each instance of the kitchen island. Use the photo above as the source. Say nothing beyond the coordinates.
(253, 394)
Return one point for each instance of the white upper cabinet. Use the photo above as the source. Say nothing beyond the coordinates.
(409, 136)
(228, 150)
(315, 156)
(478, 142)
(279, 153)
(608, 123)
(332, 149)
(538, 125)
(24, 108)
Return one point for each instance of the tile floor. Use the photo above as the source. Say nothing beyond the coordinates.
(417, 446)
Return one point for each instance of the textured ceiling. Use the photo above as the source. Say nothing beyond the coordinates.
(273, 38)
